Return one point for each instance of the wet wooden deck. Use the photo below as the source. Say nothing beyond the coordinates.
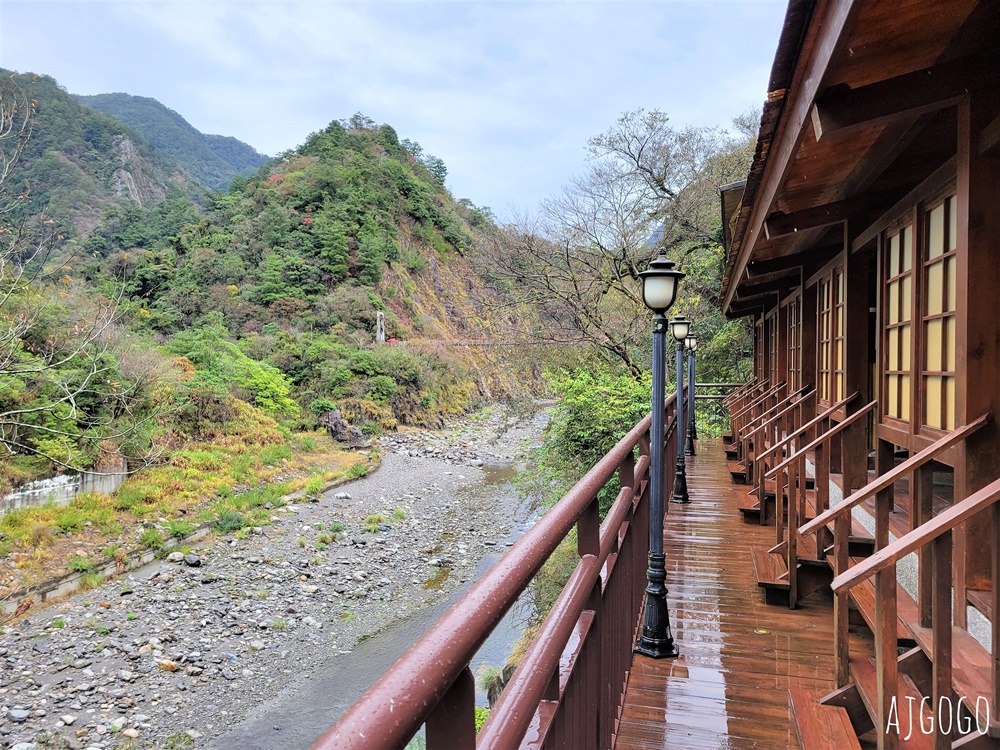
(729, 686)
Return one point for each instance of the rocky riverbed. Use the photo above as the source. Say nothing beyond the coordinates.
(179, 652)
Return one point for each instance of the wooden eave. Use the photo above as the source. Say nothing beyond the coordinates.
(855, 123)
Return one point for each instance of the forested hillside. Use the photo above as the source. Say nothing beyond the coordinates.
(211, 160)
(76, 161)
(155, 318)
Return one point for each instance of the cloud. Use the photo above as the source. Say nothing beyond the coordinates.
(507, 93)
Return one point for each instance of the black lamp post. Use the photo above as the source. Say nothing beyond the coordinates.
(691, 344)
(659, 290)
(679, 327)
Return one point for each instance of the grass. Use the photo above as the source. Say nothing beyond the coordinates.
(229, 480)
(315, 486)
(230, 521)
(79, 563)
(179, 528)
(325, 537)
(399, 513)
(91, 580)
(336, 527)
(59, 623)
(151, 538)
(372, 522)
(357, 471)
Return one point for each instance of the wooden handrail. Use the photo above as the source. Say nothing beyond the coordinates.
(890, 477)
(756, 402)
(784, 411)
(914, 540)
(823, 438)
(420, 683)
(739, 392)
(809, 425)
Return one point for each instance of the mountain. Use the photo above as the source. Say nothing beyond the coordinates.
(212, 160)
(77, 161)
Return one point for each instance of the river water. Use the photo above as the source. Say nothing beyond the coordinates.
(298, 715)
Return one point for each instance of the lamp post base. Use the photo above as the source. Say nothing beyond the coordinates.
(655, 640)
(680, 484)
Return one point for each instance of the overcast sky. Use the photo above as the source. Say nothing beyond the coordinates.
(507, 93)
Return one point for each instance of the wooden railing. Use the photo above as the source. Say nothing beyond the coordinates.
(746, 416)
(769, 431)
(793, 471)
(568, 689)
(935, 534)
(741, 394)
(840, 516)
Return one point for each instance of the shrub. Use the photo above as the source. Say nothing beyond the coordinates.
(79, 563)
(381, 388)
(230, 521)
(151, 538)
(358, 470)
(179, 528)
(70, 520)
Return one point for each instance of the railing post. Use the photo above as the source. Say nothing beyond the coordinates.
(841, 603)
(792, 529)
(941, 624)
(452, 725)
(886, 656)
(995, 622)
(922, 489)
(821, 463)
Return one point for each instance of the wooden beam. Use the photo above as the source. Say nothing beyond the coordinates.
(780, 224)
(843, 110)
(806, 85)
(937, 179)
(989, 140)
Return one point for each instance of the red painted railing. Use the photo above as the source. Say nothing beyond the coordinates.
(568, 689)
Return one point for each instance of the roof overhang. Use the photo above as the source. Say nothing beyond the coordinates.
(857, 115)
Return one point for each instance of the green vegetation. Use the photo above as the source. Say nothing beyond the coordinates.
(372, 522)
(212, 160)
(151, 538)
(80, 564)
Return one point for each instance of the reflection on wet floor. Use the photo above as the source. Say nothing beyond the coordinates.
(729, 686)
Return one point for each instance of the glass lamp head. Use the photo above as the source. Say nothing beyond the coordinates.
(659, 283)
(691, 342)
(679, 327)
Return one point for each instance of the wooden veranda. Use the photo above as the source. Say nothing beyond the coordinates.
(739, 657)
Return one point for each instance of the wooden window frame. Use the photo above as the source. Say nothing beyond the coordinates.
(831, 319)
(793, 316)
(898, 279)
(947, 259)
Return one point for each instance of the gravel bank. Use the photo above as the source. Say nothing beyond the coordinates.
(177, 653)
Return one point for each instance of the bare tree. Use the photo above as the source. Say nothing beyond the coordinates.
(577, 261)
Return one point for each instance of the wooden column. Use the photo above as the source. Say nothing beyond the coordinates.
(978, 333)
(857, 370)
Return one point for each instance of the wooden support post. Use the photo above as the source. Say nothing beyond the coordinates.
(941, 624)
(977, 333)
(452, 725)
(841, 644)
(886, 664)
(792, 530)
(821, 459)
(921, 491)
(995, 622)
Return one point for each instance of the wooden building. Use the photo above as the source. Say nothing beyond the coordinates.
(865, 245)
